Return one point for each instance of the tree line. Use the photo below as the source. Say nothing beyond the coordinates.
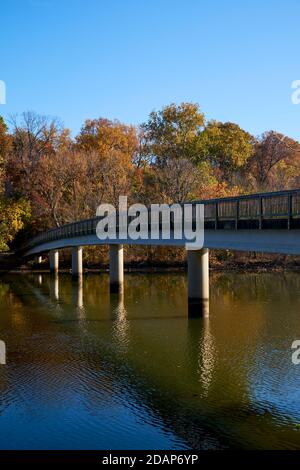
(48, 178)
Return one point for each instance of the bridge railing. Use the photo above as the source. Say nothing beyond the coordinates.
(256, 211)
(277, 210)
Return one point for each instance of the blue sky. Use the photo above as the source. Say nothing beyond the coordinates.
(121, 59)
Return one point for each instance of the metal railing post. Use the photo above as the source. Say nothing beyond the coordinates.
(237, 214)
(260, 212)
(216, 217)
(290, 210)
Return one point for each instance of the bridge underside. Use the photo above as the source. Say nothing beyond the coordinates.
(266, 241)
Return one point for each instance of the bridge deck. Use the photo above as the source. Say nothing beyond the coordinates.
(252, 216)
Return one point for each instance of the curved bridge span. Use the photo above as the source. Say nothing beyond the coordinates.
(265, 222)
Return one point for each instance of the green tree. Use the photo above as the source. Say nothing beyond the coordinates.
(173, 132)
(227, 147)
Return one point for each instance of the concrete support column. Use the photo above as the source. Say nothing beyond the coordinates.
(198, 282)
(54, 261)
(116, 268)
(76, 261)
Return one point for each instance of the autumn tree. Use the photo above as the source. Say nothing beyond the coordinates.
(70, 185)
(275, 162)
(14, 215)
(33, 136)
(5, 139)
(180, 180)
(108, 138)
(59, 181)
(5, 145)
(14, 212)
(110, 149)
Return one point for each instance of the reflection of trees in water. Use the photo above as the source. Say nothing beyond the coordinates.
(157, 294)
(46, 360)
(108, 358)
(255, 286)
(68, 362)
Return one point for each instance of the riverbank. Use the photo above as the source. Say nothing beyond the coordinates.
(242, 262)
(218, 267)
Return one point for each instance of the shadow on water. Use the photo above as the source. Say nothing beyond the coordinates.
(131, 370)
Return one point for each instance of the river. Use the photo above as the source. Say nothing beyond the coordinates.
(86, 370)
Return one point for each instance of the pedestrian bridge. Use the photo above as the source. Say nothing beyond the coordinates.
(265, 222)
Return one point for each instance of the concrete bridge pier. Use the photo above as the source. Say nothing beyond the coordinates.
(116, 268)
(198, 282)
(77, 261)
(54, 261)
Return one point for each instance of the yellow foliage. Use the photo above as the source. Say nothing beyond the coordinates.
(14, 214)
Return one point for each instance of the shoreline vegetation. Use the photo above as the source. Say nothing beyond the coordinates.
(49, 178)
(253, 262)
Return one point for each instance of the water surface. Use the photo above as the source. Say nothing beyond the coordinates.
(86, 370)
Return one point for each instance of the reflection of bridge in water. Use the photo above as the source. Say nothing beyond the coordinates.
(266, 222)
